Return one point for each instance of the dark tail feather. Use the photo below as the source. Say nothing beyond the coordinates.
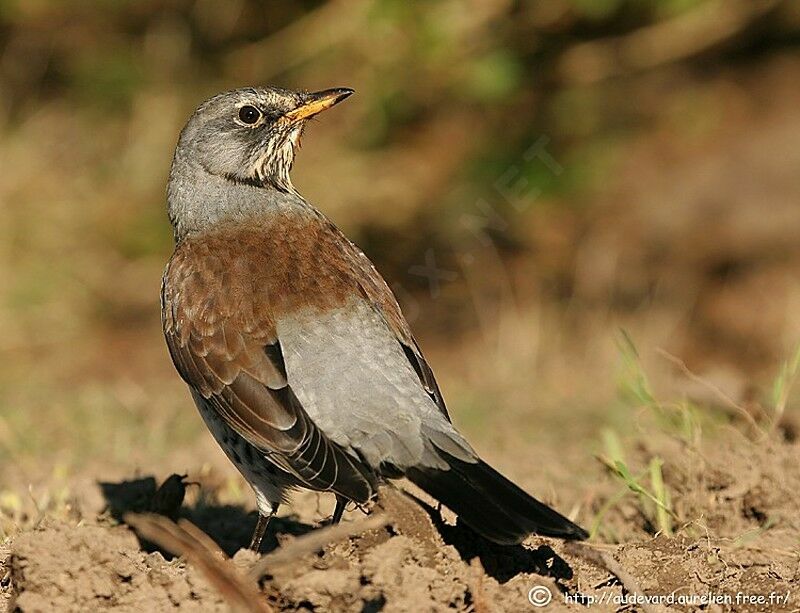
(490, 504)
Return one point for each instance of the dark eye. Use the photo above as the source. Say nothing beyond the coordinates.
(249, 114)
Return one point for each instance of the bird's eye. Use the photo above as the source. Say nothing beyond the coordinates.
(249, 114)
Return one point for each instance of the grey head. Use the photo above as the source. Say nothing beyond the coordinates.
(236, 151)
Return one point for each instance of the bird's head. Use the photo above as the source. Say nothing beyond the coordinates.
(249, 135)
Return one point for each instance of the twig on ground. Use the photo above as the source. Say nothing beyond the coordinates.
(314, 541)
(200, 551)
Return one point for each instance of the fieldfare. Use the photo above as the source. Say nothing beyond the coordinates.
(294, 348)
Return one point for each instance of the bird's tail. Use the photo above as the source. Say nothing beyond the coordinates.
(490, 504)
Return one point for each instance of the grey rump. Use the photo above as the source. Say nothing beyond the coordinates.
(295, 350)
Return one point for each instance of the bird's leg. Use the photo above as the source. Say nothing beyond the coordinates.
(341, 502)
(261, 528)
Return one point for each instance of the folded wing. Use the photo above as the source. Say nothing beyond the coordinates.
(237, 366)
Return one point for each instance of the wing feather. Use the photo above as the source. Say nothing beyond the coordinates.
(243, 377)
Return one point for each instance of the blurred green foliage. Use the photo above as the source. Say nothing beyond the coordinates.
(493, 61)
(451, 98)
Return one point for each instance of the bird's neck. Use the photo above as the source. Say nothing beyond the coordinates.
(198, 201)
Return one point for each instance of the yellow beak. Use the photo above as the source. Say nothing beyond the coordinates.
(318, 102)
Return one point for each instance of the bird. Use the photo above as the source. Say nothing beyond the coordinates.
(294, 348)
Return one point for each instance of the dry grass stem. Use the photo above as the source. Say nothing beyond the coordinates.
(314, 541)
(200, 551)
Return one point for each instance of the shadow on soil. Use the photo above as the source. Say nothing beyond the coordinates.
(502, 562)
(231, 526)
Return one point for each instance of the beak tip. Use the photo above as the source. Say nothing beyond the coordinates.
(345, 92)
(318, 101)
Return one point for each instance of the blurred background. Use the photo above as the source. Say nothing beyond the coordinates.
(531, 178)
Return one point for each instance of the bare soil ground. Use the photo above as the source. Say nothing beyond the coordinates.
(737, 537)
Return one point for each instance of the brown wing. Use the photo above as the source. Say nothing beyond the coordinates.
(226, 349)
